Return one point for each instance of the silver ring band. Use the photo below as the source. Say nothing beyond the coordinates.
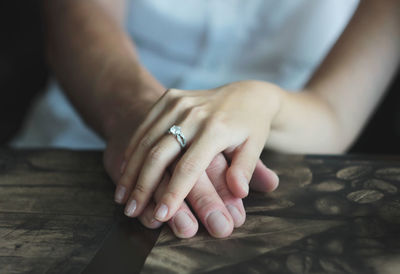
(177, 132)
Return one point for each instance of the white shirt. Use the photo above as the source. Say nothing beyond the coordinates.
(202, 44)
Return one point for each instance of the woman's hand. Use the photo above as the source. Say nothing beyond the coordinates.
(210, 194)
(234, 119)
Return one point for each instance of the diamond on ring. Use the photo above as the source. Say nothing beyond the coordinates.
(177, 132)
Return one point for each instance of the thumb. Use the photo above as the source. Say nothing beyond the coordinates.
(243, 162)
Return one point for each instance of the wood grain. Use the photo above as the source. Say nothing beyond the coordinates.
(330, 215)
(55, 209)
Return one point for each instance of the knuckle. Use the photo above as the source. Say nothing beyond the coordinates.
(203, 202)
(197, 113)
(156, 154)
(174, 96)
(178, 103)
(183, 102)
(173, 195)
(171, 93)
(187, 167)
(146, 143)
(140, 190)
(217, 122)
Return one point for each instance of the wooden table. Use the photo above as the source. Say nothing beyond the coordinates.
(331, 214)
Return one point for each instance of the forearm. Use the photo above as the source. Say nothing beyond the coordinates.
(96, 64)
(346, 88)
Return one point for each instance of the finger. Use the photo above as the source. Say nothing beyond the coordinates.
(155, 165)
(243, 163)
(151, 116)
(264, 179)
(140, 197)
(187, 171)
(125, 182)
(216, 172)
(145, 149)
(151, 137)
(184, 224)
(147, 217)
(210, 209)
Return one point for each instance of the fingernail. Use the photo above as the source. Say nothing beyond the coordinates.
(122, 169)
(276, 176)
(218, 223)
(276, 179)
(244, 184)
(236, 215)
(130, 208)
(155, 223)
(161, 212)
(120, 194)
(182, 221)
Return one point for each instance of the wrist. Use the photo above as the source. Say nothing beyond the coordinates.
(276, 99)
(126, 111)
(123, 114)
(127, 94)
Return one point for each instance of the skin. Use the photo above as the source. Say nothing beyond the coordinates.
(123, 98)
(208, 119)
(242, 118)
(105, 71)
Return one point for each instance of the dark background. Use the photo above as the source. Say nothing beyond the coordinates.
(23, 73)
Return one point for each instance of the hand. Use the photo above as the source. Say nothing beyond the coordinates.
(234, 119)
(210, 196)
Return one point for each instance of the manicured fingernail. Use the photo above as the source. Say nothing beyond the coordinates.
(161, 212)
(276, 176)
(182, 221)
(218, 223)
(130, 208)
(236, 215)
(120, 194)
(276, 179)
(122, 169)
(244, 184)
